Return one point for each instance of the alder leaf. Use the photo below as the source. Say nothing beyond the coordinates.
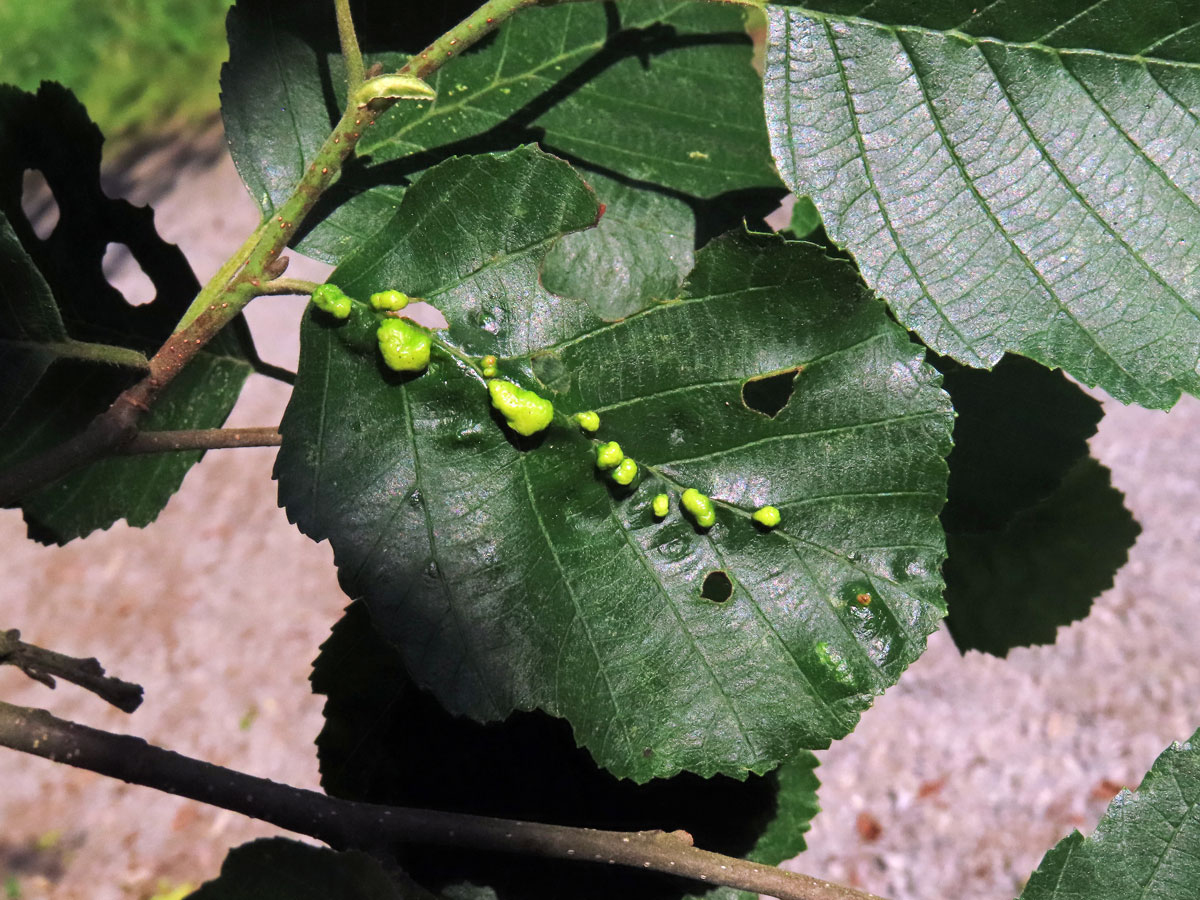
(657, 102)
(32, 334)
(1009, 176)
(512, 574)
(1018, 430)
(385, 741)
(61, 300)
(1034, 528)
(1015, 587)
(1146, 846)
(657, 91)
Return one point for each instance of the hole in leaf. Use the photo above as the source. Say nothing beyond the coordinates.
(124, 273)
(426, 314)
(769, 394)
(717, 587)
(38, 203)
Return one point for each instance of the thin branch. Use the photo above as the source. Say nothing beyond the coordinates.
(345, 825)
(45, 665)
(238, 281)
(201, 439)
(107, 431)
(295, 286)
(243, 275)
(279, 373)
(350, 49)
(484, 20)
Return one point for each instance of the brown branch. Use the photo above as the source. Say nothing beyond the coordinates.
(245, 275)
(118, 424)
(345, 825)
(201, 439)
(45, 665)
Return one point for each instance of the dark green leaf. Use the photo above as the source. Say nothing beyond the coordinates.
(281, 93)
(386, 741)
(137, 488)
(613, 87)
(640, 251)
(1010, 176)
(280, 869)
(470, 238)
(1018, 430)
(1035, 530)
(30, 326)
(1015, 587)
(468, 891)
(71, 300)
(512, 575)
(1147, 845)
(658, 91)
(805, 219)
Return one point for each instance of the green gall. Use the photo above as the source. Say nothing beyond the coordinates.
(405, 346)
(834, 663)
(393, 87)
(609, 455)
(389, 300)
(661, 505)
(489, 366)
(700, 506)
(524, 411)
(625, 471)
(768, 516)
(329, 298)
(588, 421)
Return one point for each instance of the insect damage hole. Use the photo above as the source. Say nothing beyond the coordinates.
(717, 587)
(769, 394)
(38, 203)
(124, 273)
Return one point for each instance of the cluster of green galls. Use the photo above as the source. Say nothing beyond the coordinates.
(405, 347)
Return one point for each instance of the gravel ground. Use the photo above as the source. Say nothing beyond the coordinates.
(954, 785)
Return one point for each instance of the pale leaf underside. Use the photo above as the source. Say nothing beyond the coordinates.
(1006, 195)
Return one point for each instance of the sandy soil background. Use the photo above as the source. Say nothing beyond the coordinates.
(954, 785)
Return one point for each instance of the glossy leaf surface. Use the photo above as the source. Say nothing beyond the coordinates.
(65, 297)
(1147, 845)
(1010, 176)
(512, 574)
(660, 92)
(614, 88)
(641, 250)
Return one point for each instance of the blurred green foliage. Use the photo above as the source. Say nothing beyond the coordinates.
(140, 66)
